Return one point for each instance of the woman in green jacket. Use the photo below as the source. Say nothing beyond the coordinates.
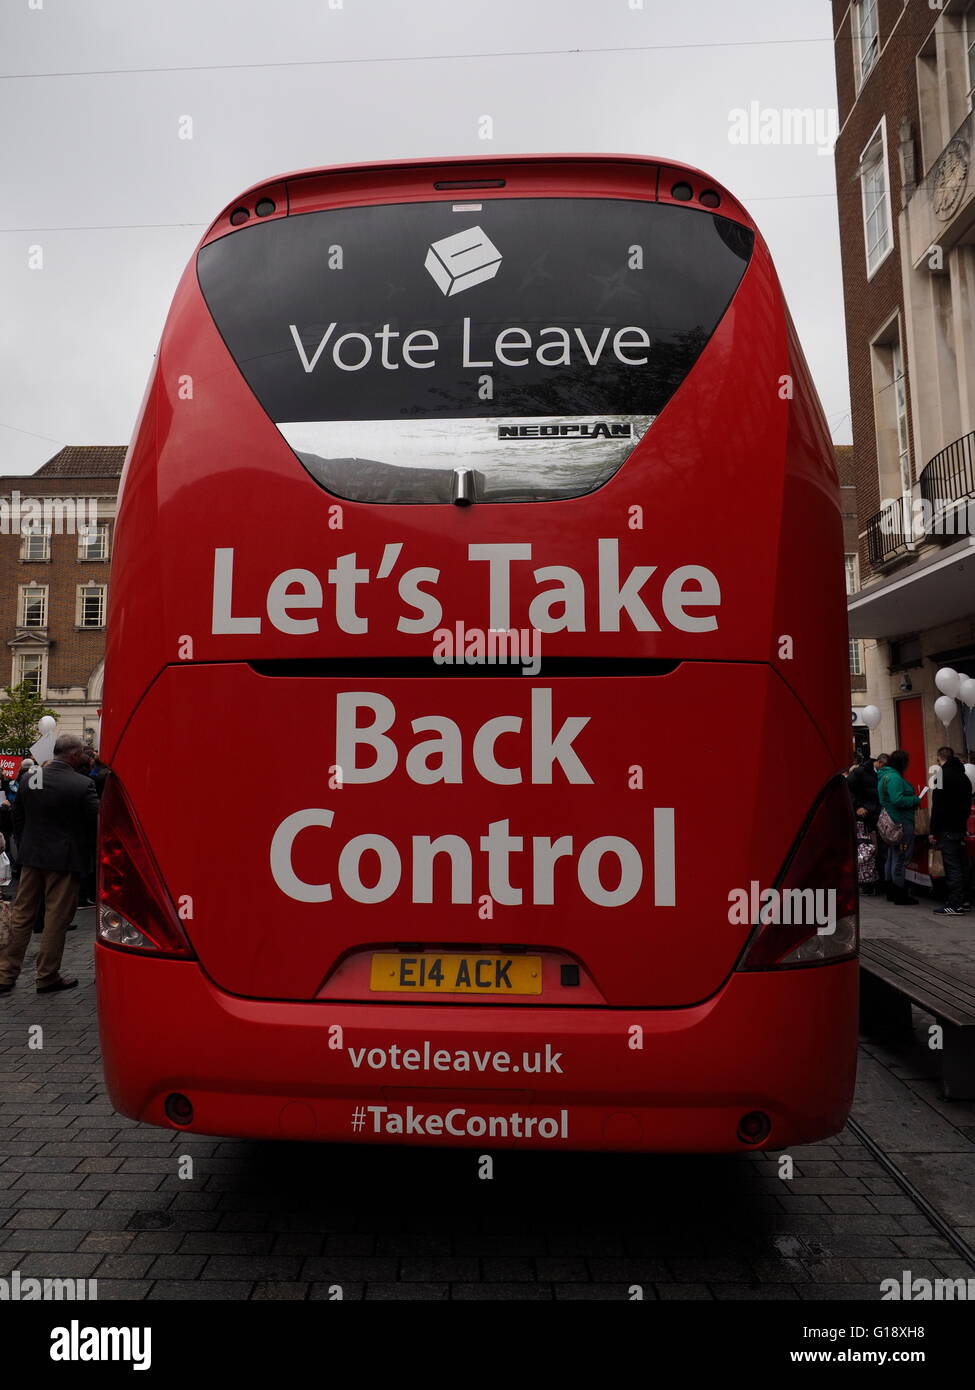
(898, 799)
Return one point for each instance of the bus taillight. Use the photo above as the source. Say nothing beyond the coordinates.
(134, 910)
(811, 916)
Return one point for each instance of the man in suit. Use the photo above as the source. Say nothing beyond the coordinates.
(55, 818)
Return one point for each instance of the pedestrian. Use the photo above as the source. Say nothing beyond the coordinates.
(862, 784)
(899, 800)
(13, 788)
(87, 890)
(15, 783)
(6, 819)
(951, 805)
(98, 772)
(54, 825)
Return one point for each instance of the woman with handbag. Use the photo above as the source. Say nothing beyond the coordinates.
(898, 805)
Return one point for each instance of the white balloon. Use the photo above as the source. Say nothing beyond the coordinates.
(871, 716)
(47, 725)
(945, 708)
(947, 681)
(970, 770)
(966, 691)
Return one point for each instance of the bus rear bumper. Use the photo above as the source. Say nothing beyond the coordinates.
(487, 1076)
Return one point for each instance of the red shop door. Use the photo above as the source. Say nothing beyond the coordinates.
(910, 737)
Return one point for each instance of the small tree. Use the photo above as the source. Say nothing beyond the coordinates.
(19, 715)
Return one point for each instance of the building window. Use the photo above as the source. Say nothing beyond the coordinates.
(856, 663)
(36, 543)
(33, 606)
(877, 235)
(852, 574)
(93, 544)
(900, 403)
(894, 465)
(91, 605)
(29, 669)
(866, 37)
(905, 653)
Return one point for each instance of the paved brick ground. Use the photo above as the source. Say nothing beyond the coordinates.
(84, 1192)
(899, 1098)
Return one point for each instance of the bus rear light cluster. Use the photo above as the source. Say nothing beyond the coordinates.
(113, 927)
(263, 208)
(682, 192)
(134, 910)
(818, 885)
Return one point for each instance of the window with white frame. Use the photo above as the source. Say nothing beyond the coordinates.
(33, 605)
(894, 467)
(866, 36)
(36, 543)
(856, 663)
(900, 402)
(91, 605)
(93, 542)
(852, 573)
(877, 234)
(29, 669)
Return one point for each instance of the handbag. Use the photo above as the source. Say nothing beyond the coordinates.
(888, 829)
(4, 867)
(936, 864)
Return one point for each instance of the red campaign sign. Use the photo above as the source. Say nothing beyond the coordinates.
(10, 764)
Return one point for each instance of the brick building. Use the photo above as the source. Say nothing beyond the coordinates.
(843, 454)
(905, 73)
(56, 529)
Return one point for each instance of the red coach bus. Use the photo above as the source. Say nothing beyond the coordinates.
(493, 496)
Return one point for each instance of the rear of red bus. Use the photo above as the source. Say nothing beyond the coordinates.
(475, 694)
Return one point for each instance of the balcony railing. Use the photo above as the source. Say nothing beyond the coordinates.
(940, 507)
(885, 534)
(950, 476)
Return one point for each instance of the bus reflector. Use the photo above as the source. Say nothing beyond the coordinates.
(818, 887)
(754, 1127)
(179, 1109)
(134, 909)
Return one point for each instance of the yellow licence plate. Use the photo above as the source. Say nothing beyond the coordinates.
(433, 974)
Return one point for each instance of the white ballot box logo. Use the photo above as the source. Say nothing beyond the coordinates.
(465, 259)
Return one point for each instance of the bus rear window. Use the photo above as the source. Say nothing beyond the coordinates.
(531, 342)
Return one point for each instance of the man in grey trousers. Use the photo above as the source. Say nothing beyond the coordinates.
(55, 818)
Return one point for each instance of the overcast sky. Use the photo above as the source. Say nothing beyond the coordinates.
(92, 169)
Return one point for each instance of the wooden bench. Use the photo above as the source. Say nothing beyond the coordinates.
(893, 977)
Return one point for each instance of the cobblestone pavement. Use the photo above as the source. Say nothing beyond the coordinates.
(85, 1193)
